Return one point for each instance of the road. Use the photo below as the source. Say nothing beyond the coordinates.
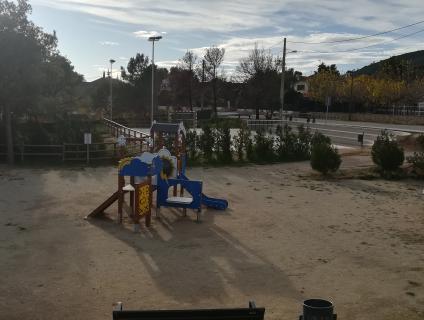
(345, 133)
(342, 133)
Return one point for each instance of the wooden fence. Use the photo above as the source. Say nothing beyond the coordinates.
(88, 153)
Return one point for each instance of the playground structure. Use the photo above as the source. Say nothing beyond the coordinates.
(161, 171)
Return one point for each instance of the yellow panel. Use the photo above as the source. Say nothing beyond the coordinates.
(143, 200)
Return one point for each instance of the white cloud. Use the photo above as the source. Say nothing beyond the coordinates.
(167, 63)
(306, 58)
(147, 34)
(227, 16)
(236, 25)
(109, 43)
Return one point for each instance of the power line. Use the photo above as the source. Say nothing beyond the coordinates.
(372, 45)
(359, 38)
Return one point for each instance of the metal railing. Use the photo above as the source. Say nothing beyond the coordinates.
(118, 129)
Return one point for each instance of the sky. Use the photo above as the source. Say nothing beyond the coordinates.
(92, 32)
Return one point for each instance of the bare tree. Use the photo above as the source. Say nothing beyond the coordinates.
(258, 71)
(258, 60)
(213, 58)
(188, 63)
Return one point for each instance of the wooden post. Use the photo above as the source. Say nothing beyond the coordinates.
(121, 184)
(135, 207)
(148, 217)
(22, 152)
(132, 194)
(88, 153)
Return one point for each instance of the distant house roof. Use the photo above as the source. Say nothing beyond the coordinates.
(174, 128)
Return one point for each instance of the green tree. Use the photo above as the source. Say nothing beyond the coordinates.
(139, 75)
(28, 57)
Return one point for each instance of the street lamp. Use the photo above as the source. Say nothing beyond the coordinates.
(111, 90)
(153, 39)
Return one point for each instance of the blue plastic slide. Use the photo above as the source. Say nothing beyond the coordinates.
(217, 204)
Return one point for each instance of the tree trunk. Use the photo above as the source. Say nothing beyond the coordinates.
(9, 136)
(215, 109)
(190, 98)
(257, 113)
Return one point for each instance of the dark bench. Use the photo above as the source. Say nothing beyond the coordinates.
(251, 313)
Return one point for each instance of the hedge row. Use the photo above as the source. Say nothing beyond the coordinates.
(216, 145)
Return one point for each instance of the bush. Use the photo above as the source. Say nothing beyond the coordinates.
(264, 148)
(241, 142)
(303, 143)
(325, 158)
(192, 145)
(417, 161)
(319, 138)
(223, 144)
(207, 143)
(386, 153)
(420, 141)
(250, 151)
(286, 143)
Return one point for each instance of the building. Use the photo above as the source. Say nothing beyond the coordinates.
(301, 86)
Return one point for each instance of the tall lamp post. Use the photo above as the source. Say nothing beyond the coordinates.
(111, 88)
(153, 39)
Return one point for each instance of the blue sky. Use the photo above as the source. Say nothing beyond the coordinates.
(92, 32)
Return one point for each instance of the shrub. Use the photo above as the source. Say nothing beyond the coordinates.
(286, 143)
(264, 148)
(325, 158)
(250, 151)
(319, 138)
(417, 161)
(303, 143)
(223, 144)
(207, 143)
(241, 142)
(386, 153)
(192, 145)
(420, 141)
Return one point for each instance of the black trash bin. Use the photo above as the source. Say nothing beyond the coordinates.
(318, 309)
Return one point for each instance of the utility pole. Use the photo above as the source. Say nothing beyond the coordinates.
(283, 73)
(203, 85)
(351, 96)
(111, 89)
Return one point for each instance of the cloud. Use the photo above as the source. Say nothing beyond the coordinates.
(167, 63)
(238, 24)
(147, 34)
(305, 57)
(236, 15)
(109, 43)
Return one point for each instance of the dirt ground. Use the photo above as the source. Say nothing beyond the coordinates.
(286, 237)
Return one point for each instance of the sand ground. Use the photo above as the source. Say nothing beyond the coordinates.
(286, 237)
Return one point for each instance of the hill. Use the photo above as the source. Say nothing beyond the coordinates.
(415, 59)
